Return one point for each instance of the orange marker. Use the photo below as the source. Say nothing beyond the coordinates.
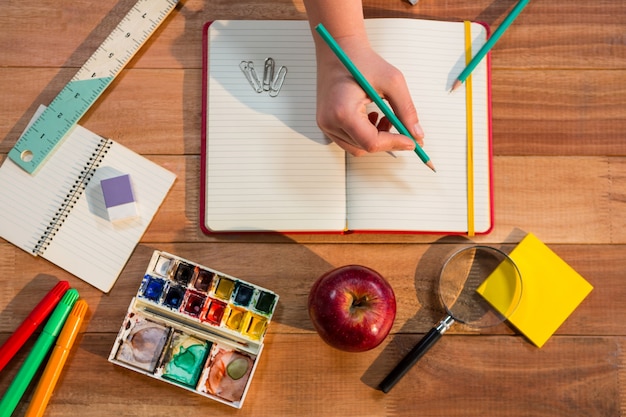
(59, 355)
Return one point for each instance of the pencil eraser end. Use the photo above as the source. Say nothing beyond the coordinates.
(119, 199)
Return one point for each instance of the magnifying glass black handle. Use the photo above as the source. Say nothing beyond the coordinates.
(415, 354)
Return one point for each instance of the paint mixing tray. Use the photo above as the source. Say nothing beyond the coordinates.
(196, 328)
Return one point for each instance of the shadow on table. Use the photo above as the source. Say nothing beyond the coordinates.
(431, 311)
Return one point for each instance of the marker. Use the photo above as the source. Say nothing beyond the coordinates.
(490, 43)
(31, 322)
(57, 360)
(41, 348)
(371, 92)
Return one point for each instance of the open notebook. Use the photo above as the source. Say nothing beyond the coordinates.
(266, 166)
(60, 214)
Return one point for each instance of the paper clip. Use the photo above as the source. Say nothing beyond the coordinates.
(268, 73)
(247, 67)
(278, 81)
(272, 80)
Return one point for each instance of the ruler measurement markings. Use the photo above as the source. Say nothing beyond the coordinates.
(96, 74)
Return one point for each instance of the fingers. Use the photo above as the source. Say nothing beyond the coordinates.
(397, 93)
(346, 146)
(356, 133)
(369, 135)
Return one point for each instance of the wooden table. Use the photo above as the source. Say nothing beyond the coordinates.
(559, 117)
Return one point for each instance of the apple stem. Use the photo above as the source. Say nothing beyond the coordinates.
(359, 301)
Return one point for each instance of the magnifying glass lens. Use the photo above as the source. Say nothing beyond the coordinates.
(464, 278)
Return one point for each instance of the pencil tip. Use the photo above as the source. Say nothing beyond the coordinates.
(457, 84)
(430, 165)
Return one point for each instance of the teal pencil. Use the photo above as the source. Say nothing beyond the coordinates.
(490, 43)
(371, 92)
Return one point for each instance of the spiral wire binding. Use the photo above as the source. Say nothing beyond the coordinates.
(77, 189)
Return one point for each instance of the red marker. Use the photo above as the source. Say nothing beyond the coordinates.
(31, 322)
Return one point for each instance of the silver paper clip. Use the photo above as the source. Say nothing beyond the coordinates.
(247, 67)
(272, 80)
(278, 81)
(268, 73)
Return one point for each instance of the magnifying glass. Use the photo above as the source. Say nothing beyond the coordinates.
(466, 276)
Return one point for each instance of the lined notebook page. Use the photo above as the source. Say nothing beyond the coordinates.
(268, 165)
(90, 246)
(270, 168)
(87, 244)
(402, 194)
(29, 202)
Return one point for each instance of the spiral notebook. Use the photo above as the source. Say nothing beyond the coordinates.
(266, 166)
(60, 214)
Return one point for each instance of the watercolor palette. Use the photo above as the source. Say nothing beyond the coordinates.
(195, 327)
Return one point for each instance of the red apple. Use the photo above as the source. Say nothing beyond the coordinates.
(352, 308)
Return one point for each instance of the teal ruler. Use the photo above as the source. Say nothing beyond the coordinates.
(44, 135)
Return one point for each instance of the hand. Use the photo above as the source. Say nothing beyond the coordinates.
(341, 103)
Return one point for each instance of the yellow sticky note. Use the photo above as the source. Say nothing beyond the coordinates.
(551, 290)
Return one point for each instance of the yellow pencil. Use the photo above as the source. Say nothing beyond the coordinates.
(57, 360)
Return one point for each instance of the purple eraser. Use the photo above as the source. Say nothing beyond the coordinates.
(118, 197)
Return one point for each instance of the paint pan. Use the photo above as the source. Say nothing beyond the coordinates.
(196, 328)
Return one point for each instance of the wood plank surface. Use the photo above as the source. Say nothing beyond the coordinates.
(559, 117)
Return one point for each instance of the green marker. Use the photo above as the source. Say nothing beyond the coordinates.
(371, 92)
(35, 358)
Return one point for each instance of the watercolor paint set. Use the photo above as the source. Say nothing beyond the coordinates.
(196, 328)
